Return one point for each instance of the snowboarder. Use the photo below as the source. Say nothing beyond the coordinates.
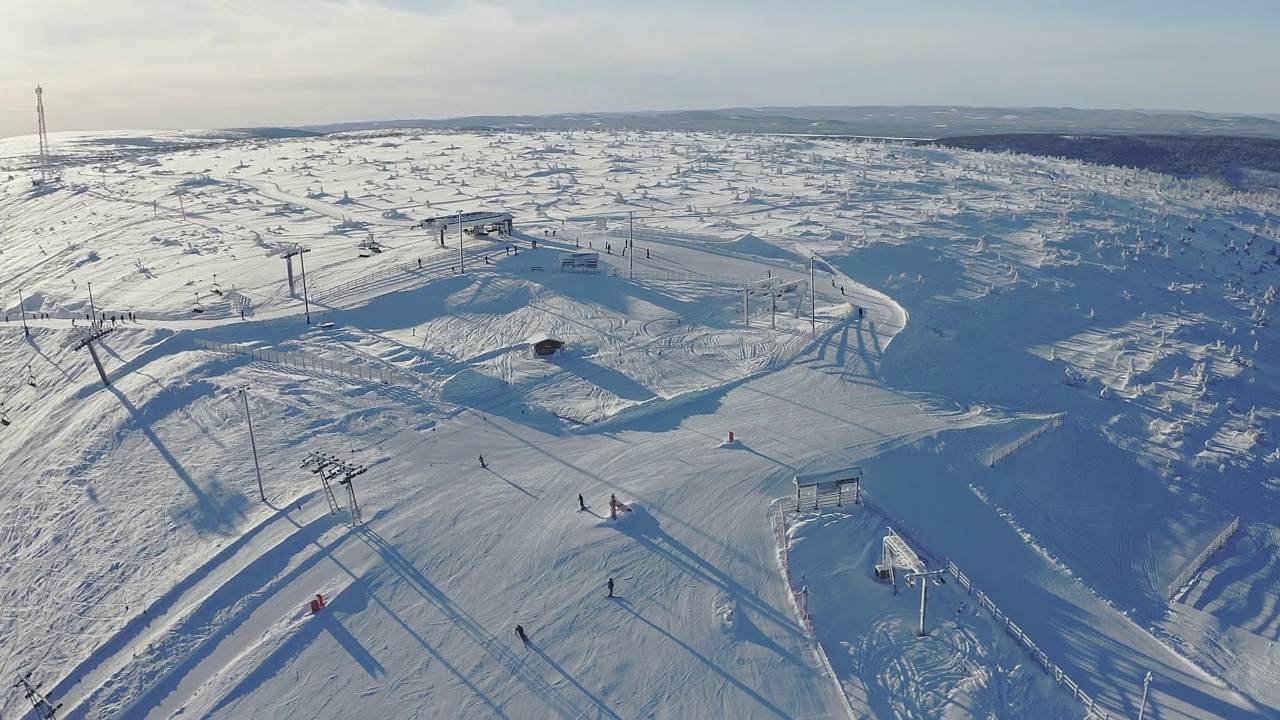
(520, 633)
(610, 587)
(482, 461)
(582, 505)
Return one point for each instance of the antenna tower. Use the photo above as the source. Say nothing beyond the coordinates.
(44, 138)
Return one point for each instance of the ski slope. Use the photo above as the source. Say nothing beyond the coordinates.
(958, 301)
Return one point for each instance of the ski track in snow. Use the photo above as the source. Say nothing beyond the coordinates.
(982, 278)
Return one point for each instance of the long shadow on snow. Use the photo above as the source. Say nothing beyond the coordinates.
(735, 682)
(235, 593)
(460, 619)
(601, 707)
(164, 604)
(346, 603)
(216, 509)
(1115, 680)
(605, 378)
(645, 530)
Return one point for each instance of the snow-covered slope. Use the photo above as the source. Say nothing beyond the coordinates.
(961, 301)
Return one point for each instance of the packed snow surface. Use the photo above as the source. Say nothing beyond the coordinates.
(1053, 378)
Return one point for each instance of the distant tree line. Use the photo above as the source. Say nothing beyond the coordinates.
(1234, 160)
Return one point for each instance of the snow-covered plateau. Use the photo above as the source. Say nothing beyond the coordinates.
(1052, 380)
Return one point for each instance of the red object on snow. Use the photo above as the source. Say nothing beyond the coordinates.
(730, 436)
(317, 603)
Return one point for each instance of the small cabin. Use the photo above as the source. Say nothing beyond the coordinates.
(543, 345)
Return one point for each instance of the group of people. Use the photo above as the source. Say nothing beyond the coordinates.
(609, 584)
(102, 319)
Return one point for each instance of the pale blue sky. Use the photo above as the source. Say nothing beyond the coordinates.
(144, 64)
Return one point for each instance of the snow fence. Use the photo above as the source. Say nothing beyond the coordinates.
(305, 362)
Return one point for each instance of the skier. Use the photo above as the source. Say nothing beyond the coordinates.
(582, 505)
(482, 461)
(610, 587)
(520, 633)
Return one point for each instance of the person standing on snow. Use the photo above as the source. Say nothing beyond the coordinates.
(582, 505)
(610, 587)
(520, 633)
(482, 461)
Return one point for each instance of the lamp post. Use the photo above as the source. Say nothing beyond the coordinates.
(306, 303)
(22, 303)
(1146, 685)
(244, 394)
(93, 312)
(631, 242)
(462, 270)
(813, 301)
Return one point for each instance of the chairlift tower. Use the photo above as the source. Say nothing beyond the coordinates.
(40, 704)
(85, 341)
(329, 467)
(937, 576)
(288, 259)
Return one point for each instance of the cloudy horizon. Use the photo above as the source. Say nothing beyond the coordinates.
(129, 64)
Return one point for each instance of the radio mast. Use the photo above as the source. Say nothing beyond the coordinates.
(46, 173)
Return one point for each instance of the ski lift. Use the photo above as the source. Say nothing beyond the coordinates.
(364, 250)
(216, 289)
(198, 307)
(31, 376)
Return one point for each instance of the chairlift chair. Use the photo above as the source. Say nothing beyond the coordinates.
(364, 251)
(198, 307)
(31, 376)
(4, 415)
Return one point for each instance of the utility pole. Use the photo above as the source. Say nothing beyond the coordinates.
(631, 242)
(773, 306)
(924, 577)
(306, 302)
(93, 312)
(244, 393)
(462, 270)
(181, 206)
(813, 301)
(23, 304)
(746, 315)
(1146, 685)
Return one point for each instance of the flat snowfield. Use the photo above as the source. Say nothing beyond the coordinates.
(1052, 380)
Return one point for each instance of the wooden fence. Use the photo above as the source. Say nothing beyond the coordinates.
(1042, 659)
(1010, 627)
(1218, 543)
(799, 603)
(1014, 446)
